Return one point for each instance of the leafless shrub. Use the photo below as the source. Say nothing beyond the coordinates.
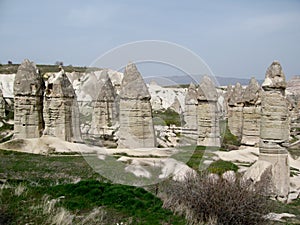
(203, 199)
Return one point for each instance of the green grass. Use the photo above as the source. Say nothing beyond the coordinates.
(220, 167)
(228, 137)
(192, 155)
(293, 208)
(75, 187)
(39, 169)
(166, 117)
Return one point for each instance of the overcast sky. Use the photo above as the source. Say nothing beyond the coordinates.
(235, 38)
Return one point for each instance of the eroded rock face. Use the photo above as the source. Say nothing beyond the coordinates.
(60, 108)
(105, 112)
(135, 116)
(28, 97)
(190, 113)
(251, 114)
(235, 111)
(207, 114)
(274, 130)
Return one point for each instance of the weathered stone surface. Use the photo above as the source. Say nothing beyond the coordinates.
(2, 104)
(190, 114)
(28, 81)
(235, 120)
(207, 114)
(133, 85)
(252, 93)
(280, 180)
(191, 102)
(176, 106)
(104, 110)
(260, 172)
(275, 78)
(135, 117)
(251, 125)
(236, 97)
(294, 112)
(251, 114)
(227, 97)
(274, 117)
(207, 90)
(60, 108)
(28, 97)
(235, 111)
(274, 130)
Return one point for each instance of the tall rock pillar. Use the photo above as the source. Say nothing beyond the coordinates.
(135, 116)
(235, 111)
(251, 114)
(274, 129)
(207, 114)
(274, 135)
(190, 112)
(105, 110)
(28, 97)
(60, 108)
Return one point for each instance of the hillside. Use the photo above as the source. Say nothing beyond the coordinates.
(161, 80)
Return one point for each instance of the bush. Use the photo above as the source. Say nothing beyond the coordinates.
(206, 199)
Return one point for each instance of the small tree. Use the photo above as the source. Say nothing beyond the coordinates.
(59, 63)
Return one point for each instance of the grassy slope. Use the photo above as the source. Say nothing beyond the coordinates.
(55, 178)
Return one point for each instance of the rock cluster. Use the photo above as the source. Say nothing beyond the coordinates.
(51, 111)
(28, 97)
(274, 132)
(251, 113)
(207, 114)
(135, 112)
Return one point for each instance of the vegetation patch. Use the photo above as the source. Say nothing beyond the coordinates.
(229, 141)
(220, 167)
(166, 118)
(40, 189)
(205, 200)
